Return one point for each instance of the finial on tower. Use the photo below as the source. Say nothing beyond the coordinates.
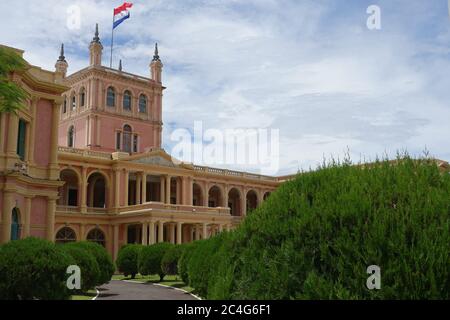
(96, 37)
(61, 54)
(156, 55)
(120, 65)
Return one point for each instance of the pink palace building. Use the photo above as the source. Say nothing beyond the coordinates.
(83, 161)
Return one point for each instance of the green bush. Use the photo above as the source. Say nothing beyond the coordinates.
(150, 259)
(128, 258)
(183, 262)
(33, 269)
(200, 263)
(103, 259)
(169, 262)
(85, 260)
(316, 235)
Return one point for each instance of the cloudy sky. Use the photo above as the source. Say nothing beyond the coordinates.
(310, 68)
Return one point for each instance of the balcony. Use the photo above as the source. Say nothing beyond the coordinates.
(157, 207)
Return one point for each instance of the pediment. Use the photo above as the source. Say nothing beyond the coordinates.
(158, 158)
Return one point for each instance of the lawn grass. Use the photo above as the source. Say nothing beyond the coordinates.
(91, 294)
(171, 281)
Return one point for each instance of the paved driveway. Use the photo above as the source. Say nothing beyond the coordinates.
(124, 290)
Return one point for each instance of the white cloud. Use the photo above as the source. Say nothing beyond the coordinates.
(308, 68)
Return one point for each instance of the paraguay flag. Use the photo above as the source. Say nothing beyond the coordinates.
(121, 14)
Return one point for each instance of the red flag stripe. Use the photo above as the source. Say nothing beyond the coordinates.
(123, 7)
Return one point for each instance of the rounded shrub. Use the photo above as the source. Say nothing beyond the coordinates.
(315, 237)
(33, 269)
(169, 262)
(85, 260)
(103, 258)
(150, 259)
(127, 260)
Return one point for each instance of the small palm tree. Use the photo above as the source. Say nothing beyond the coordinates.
(11, 95)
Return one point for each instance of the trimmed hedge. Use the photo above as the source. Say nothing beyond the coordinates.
(127, 260)
(316, 235)
(104, 260)
(33, 269)
(150, 259)
(90, 271)
(169, 262)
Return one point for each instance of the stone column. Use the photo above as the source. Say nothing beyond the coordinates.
(144, 187)
(127, 178)
(116, 241)
(220, 228)
(138, 188)
(51, 207)
(167, 184)
(27, 221)
(190, 191)
(83, 190)
(116, 188)
(196, 233)
(205, 231)
(179, 233)
(172, 233)
(162, 188)
(7, 218)
(244, 204)
(152, 233)
(160, 231)
(144, 233)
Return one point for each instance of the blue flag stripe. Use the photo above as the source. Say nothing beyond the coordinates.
(118, 22)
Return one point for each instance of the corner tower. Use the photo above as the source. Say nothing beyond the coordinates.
(109, 109)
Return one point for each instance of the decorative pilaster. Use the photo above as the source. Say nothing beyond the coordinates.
(7, 212)
(54, 168)
(26, 222)
(116, 188)
(51, 207)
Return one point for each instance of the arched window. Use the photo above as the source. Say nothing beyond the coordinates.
(66, 235)
(111, 97)
(127, 136)
(74, 102)
(96, 235)
(71, 137)
(82, 97)
(142, 104)
(15, 225)
(127, 100)
(65, 105)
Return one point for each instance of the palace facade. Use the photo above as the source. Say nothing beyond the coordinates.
(84, 161)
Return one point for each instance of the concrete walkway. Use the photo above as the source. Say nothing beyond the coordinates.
(125, 290)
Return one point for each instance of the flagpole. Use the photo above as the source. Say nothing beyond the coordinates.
(112, 42)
